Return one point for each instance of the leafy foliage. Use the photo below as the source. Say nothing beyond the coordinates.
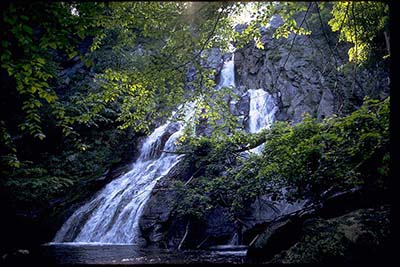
(360, 23)
(261, 14)
(70, 69)
(309, 158)
(32, 36)
(150, 47)
(159, 41)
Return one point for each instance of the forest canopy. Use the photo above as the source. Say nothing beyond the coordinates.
(138, 56)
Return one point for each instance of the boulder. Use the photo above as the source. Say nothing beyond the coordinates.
(218, 227)
(156, 224)
(340, 229)
(160, 229)
(277, 237)
(358, 237)
(264, 209)
(275, 21)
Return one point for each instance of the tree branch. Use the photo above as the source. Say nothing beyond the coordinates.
(340, 29)
(387, 41)
(174, 152)
(355, 47)
(202, 242)
(204, 44)
(188, 181)
(256, 144)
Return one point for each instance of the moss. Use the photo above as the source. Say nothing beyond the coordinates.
(358, 236)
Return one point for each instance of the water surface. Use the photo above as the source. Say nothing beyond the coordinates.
(92, 253)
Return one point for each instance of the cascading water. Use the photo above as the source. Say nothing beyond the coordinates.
(261, 114)
(227, 74)
(262, 105)
(113, 215)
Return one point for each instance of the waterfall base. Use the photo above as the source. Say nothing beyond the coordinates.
(75, 253)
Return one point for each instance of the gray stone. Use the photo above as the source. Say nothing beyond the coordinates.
(240, 28)
(326, 105)
(218, 223)
(213, 58)
(278, 236)
(264, 209)
(154, 223)
(306, 76)
(335, 225)
(243, 105)
(275, 21)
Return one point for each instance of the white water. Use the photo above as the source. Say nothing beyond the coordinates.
(227, 74)
(113, 215)
(261, 114)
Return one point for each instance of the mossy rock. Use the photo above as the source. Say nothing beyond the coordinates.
(360, 236)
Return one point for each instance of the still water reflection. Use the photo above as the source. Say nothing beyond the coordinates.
(89, 253)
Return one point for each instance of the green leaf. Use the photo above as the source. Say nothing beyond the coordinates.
(53, 45)
(27, 29)
(73, 54)
(41, 60)
(40, 136)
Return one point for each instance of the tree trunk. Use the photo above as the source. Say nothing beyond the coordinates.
(184, 236)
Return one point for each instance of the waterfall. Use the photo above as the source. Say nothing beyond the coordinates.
(112, 216)
(261, 114)
(227, 74)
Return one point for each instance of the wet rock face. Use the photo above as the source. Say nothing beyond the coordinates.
(160, 229)
(263, 209)
(156, 224)
(305, 76)
(218, 225)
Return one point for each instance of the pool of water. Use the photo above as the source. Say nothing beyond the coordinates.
(89, 253)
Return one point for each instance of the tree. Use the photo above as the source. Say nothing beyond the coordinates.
(361, 23)
(150, 48)
(39, 37)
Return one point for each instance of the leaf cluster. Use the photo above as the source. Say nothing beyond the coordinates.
(310, 158)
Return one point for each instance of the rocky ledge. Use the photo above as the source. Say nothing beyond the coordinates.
(359, 236)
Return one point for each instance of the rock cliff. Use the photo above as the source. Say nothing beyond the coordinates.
(308, 73)
(304, 74)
